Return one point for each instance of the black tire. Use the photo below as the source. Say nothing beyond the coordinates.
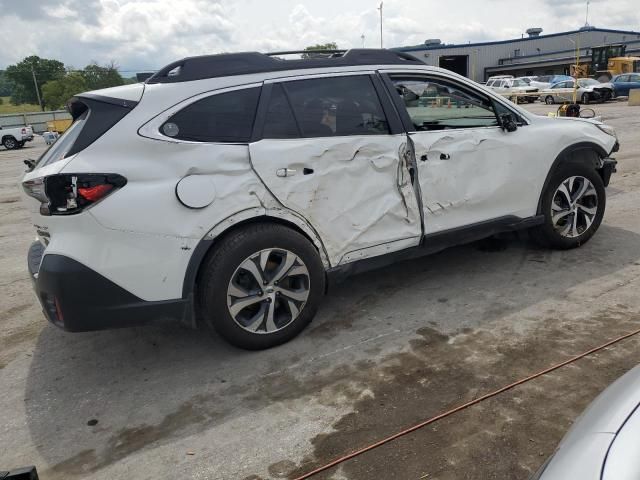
(606, 96)
(222, 264)
(546, 234)
(585, 99)
(20, 144)
(9, 143)
(549, 100)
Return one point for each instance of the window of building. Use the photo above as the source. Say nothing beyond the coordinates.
(516, 52)
(348, 105)
(224, 117)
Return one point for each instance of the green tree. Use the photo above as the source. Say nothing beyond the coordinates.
(6, 86)
(319, 46)
(97, 76)
(55, 93)
(21, 74)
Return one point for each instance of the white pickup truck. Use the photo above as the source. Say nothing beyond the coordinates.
(15, 137)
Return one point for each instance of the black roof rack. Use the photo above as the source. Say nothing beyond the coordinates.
(228, 64)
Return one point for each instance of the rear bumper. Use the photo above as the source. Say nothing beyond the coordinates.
(78, 299)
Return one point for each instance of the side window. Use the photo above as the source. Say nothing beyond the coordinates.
(490, 83)
(622, 78)
(633, 78)
(279, 122)
(435, 104)
(223, 117)
(324, 107)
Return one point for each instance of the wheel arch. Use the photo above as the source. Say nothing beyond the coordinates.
(239, 220)
(573, 154)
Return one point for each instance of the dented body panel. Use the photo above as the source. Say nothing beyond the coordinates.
(356, 194)
(474, 175)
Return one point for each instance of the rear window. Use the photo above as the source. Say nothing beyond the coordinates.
(224, 117)
(279, 122)
(339, 106)
(92, 119)
(63, 145)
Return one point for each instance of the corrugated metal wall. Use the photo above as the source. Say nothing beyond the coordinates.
(38, 120)
(540, 54)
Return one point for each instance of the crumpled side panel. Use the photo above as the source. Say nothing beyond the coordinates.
(357, 196)
(488, 174)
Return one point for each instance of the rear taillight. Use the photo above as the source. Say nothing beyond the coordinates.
(24, 131)
(67, 194)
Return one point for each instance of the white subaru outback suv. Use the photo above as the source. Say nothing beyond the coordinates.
(233, 189)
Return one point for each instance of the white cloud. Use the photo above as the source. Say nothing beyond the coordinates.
(143, 34)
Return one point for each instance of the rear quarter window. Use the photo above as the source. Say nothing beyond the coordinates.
(224, 117)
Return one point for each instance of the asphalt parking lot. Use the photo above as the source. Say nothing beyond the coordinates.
(388, 349)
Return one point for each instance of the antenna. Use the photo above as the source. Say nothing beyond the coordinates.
(586, 18)
(362, 37)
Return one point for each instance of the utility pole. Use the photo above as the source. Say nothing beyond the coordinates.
(35, 84)
(380, 8)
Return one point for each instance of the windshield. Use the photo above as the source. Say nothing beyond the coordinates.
(59, 149)
(587, 82)
(519, 83)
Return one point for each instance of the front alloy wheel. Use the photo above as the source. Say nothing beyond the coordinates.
(574, 206)
(268, 290)
(572, 203)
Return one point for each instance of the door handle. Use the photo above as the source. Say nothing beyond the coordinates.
(285, 172)
(445, 156)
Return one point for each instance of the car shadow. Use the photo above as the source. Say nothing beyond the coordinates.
(94, 398)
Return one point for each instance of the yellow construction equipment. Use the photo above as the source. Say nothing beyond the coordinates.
(58, 125)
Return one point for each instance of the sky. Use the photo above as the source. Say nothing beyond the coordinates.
(140, 35)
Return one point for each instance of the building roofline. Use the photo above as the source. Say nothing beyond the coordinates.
(417, 48)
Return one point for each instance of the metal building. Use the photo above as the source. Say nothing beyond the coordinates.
(534, 54)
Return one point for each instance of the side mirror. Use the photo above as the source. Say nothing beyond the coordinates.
(507, 122)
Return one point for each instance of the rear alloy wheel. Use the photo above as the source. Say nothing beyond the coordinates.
(10, 143)
(261, 285)
(268, 291)
(548, 100)
(573, 206)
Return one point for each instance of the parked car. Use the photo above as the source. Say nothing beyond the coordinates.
(602, 443)
(545, 81)
(625, 82)
(15, 137)
(239, 186)
(589, 90)
(513, 85)
(528, 79)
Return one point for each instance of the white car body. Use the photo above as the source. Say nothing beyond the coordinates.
(506, 86)
(588, 89)
(351, 196)
(15, 137)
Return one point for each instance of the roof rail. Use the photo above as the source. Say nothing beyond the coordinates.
(229, 64)
(333, 52)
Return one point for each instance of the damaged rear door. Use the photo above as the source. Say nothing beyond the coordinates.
(332, 149)
(470, 170)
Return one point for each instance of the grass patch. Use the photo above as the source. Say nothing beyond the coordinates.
(7, 107)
